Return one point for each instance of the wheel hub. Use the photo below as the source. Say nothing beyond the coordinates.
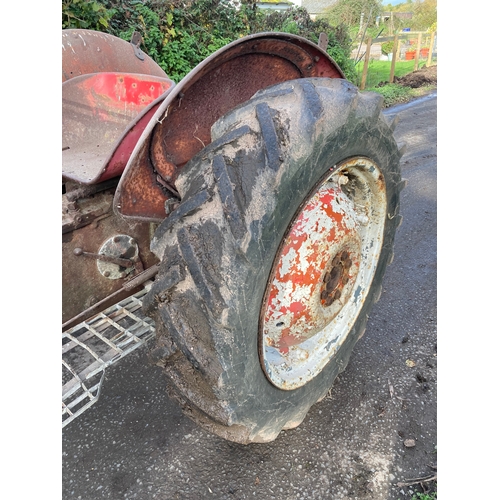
(322, 273)
(336, 278)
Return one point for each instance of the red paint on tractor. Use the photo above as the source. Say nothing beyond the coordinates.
(294, 304)
(104, 115)
(123, 89)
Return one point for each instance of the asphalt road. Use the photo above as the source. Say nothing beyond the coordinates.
(136, 443)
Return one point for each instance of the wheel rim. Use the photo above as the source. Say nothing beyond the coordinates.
(322, 273)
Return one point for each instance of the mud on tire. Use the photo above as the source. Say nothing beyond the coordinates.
(220, 250)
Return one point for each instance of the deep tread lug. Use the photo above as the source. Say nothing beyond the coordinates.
(208, 293)
(186, 208)
(226, 192)
(269, 136)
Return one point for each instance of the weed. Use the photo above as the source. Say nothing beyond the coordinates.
(394, 93)
(398, 94)
(424, 496)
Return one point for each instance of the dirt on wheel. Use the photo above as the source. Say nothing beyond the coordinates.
(420, 78)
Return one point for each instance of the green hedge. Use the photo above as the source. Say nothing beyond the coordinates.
(178, 34)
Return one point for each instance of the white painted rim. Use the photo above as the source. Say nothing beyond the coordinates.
(295, 346)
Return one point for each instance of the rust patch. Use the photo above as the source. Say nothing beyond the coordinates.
(229, 77)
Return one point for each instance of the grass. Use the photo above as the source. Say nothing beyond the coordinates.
(379, 71)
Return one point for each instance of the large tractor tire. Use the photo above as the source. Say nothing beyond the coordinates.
(275, 255)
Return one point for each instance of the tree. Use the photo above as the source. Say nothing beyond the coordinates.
(348, 12)
(424, 13)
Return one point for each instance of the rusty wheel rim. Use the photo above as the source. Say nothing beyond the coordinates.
(322, 273)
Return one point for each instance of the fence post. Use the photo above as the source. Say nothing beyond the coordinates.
(365, 66)
(431, 46)
(395, 50)
(417, 54)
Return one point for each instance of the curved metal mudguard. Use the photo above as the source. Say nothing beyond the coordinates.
(103, 117)
(110, 91)
(181, 125)
(88, 51)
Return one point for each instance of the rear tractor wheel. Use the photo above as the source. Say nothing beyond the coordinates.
(275, 255)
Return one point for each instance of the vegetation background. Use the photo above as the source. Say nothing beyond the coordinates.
(179, 34)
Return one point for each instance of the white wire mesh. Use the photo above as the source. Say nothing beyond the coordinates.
(93, 345)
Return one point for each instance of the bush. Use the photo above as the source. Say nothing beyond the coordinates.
(393, 93)
(179, 34)
(86, 14)
(387, 48)
(297, 21)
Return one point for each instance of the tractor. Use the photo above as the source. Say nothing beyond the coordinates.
(238, 222)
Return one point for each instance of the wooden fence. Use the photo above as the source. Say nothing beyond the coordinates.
(417, 39)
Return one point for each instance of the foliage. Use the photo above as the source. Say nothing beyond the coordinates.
(179, 34)
(348, 12)
(424, 496)
(393, 93)
(297, 20)
(85, 14)
(424, 15)
(387, 47)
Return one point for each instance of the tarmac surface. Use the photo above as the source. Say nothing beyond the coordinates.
(373, 435)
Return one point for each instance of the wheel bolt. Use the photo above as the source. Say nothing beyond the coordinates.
(334, 280)
(329, 301)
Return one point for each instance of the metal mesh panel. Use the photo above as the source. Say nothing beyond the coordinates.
(93, 345)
